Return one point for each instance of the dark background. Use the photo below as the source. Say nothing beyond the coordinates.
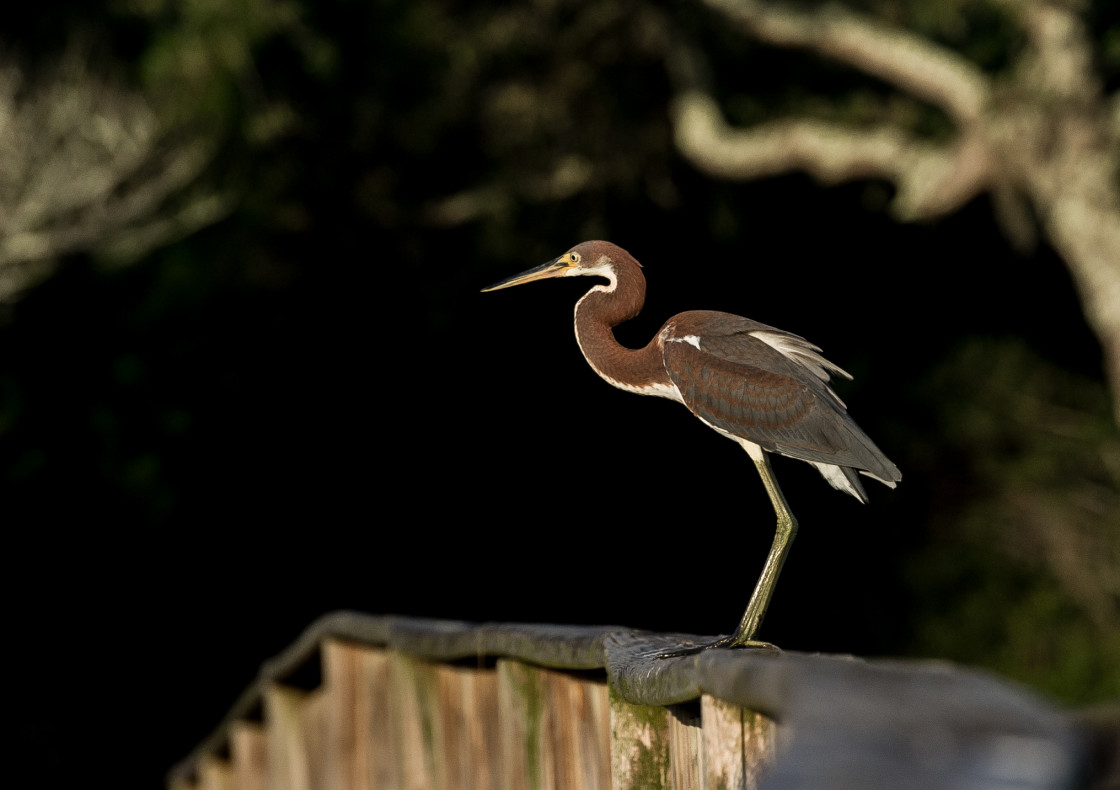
(309, 406)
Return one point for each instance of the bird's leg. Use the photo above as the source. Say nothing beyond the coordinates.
(764, 589)
(783, 539)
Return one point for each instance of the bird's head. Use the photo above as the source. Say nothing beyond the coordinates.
(588, 259)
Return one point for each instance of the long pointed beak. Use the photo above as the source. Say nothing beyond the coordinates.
(554, 268)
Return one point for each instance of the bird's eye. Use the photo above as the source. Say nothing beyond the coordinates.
(574, 257)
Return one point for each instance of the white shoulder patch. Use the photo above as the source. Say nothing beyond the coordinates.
(692, 340)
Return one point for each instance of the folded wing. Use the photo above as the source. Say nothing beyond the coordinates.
(770, 387)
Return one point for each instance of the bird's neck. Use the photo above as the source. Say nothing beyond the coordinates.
(601, 309)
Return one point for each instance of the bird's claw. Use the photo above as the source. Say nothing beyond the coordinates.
(728, 641)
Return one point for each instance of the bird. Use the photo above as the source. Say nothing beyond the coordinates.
(764, 388)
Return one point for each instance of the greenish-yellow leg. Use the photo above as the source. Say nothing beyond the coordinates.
(764, 589)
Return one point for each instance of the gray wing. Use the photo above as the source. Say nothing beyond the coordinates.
(772, 392)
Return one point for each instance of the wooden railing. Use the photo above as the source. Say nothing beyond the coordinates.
(405, 703)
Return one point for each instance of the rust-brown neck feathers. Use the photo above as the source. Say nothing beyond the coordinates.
(607, 306)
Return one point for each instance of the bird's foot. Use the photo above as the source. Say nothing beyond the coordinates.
(729, 641)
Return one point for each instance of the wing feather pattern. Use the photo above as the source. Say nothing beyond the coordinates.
(770, 387)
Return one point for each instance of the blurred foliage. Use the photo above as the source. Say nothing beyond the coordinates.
(458, 114)
(1022, 574)
(201, 59)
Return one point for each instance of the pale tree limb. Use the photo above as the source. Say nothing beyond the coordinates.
(1059, 61)
(931, 179)
(86, 166)
(1063, 148)
(1043, 140)
(910, 62)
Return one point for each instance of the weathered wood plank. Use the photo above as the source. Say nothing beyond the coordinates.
(640, 746)
(382, 742)
(721, 747)
(288, 760)
(355, 681)
(341, 672)
(414, 711)
(760, 745)
(519, 699)
(484, 730)
(313, 717)
(446, 724)
(470, 742)
(555, 729)
(585, 726)
(215, 774)
(737, 745)
(685, 748)
(248, 744)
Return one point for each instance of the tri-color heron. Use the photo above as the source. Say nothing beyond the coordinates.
(762, 387)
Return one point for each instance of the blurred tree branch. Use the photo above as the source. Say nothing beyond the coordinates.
(1041, 138)
(87, 167)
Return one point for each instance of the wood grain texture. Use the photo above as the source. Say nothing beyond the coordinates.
(555, 729)
(216, 774)
(361, 752)
(738, 745)
(249, 754)
(641, 754)
(288, 760)
(313, 731)
(413, 710)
